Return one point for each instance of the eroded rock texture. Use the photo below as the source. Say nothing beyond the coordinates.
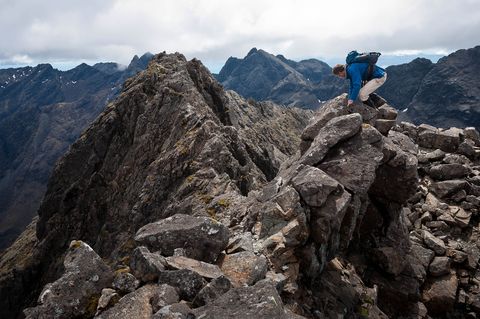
(202, 205)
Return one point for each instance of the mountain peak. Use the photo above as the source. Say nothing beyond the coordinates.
(252, 51)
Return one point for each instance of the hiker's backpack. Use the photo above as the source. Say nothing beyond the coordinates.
(368, 57)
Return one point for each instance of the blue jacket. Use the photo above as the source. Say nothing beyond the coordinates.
(356, 73)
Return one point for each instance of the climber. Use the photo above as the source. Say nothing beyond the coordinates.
(365, 77)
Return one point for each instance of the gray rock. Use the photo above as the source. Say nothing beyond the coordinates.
(178, 310)
(314, 186)
(353, 163)
(244, 268)
(133, 305)
(435, 156)
(447, 141)
(201, 237)
(330, 110)
(436, 244)
(145, 265)
(384, 126)
(188, 282)
(108, 298)
(408, 129)
(456, 159)
(336, 130)
(240, 242)
(125, 282)
(278, 279)
(404, 142)
(212, 291)
(472, 133)
(87, 273)
(448, 171)
(397, 177)
(445, 188)
(468, 149)
(203, 269)
(440, 266)
(257, 302)
(387, 112)
(165, 295)
(474, 200)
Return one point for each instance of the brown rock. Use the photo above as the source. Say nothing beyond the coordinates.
(440, 266)
(390, 260)
(439, 294)
(203, 269)
(384, 126)
(244, 268)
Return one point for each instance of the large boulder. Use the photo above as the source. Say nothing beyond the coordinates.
(77, 292)
(244, 268)
(336, 130)
(146, 265)
(439, 293)
(136, 304)
(257, 302)
(433, 138)
(202, 238)
(188, 282)
(448, 171)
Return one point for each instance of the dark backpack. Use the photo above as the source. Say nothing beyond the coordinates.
(368, 57)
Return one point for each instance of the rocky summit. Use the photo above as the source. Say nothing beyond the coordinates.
(183, 200)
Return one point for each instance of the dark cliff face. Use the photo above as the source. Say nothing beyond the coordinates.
(449, 94)
(263, 76)
(404, 81)
(172, 142)
(43, 111)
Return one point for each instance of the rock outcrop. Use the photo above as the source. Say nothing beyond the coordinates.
(173, 142)
(199, 204)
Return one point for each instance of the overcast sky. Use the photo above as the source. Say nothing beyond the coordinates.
(73, 31)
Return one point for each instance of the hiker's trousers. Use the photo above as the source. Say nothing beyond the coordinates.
(370, 87)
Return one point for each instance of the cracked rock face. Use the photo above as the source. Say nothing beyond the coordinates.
(172, 142)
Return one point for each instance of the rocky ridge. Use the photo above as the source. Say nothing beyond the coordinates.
(43, 111)
(263, 76)
(206, 209)
(172, 142)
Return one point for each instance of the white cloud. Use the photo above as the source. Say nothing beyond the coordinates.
(213, 30)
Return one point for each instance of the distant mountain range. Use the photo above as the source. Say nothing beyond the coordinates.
(263, 76)
(43, 111)
(443, 94)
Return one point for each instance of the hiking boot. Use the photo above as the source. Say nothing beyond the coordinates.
(369, 102)
(377, 99)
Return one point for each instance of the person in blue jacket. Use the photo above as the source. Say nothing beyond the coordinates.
(358, 74)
